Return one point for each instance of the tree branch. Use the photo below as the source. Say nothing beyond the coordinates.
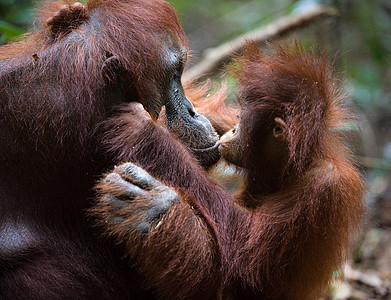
(216, 57)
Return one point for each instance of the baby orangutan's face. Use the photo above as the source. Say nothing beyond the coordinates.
(271, 144)
(231, 147)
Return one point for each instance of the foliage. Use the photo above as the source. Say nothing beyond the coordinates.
(9, 31)
(15, 17)
(361, 35)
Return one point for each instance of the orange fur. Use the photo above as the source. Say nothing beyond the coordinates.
(55, 94)
(213, 106)
(282, 241)
(300, 230)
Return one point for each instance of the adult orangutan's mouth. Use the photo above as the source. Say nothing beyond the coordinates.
(215, 146)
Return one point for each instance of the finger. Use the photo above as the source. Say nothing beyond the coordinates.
(114, 184)
(78, 11)
(143, 227)
(136, 106)
(78, 6)
(138, 109)
(137, 176)
(64, 10)
(58, 15)
(114, 215)
(164, 199)
(158, 209)
(50, 21)
(110, 63)
(114, 202)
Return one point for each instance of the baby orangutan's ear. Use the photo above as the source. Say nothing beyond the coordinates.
(279, 129)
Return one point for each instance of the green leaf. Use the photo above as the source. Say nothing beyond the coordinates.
(9, 31)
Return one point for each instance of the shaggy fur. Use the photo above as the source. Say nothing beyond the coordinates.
(55, 94)
(213, 106)
(274, 242)
(298, 234)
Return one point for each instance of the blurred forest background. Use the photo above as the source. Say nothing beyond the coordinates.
(359, 35)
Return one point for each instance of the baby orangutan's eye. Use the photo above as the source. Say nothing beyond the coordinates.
(277, 130)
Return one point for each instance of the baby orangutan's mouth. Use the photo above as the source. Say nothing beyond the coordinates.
(215, 146)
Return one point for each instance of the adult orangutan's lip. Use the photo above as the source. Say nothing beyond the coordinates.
(215, 146)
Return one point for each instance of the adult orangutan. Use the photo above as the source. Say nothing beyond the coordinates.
(288, 228)
(59, 85)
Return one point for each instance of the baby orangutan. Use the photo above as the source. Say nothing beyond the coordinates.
(289, 227)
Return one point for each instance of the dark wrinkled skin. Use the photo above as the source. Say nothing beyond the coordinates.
(129, 182)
